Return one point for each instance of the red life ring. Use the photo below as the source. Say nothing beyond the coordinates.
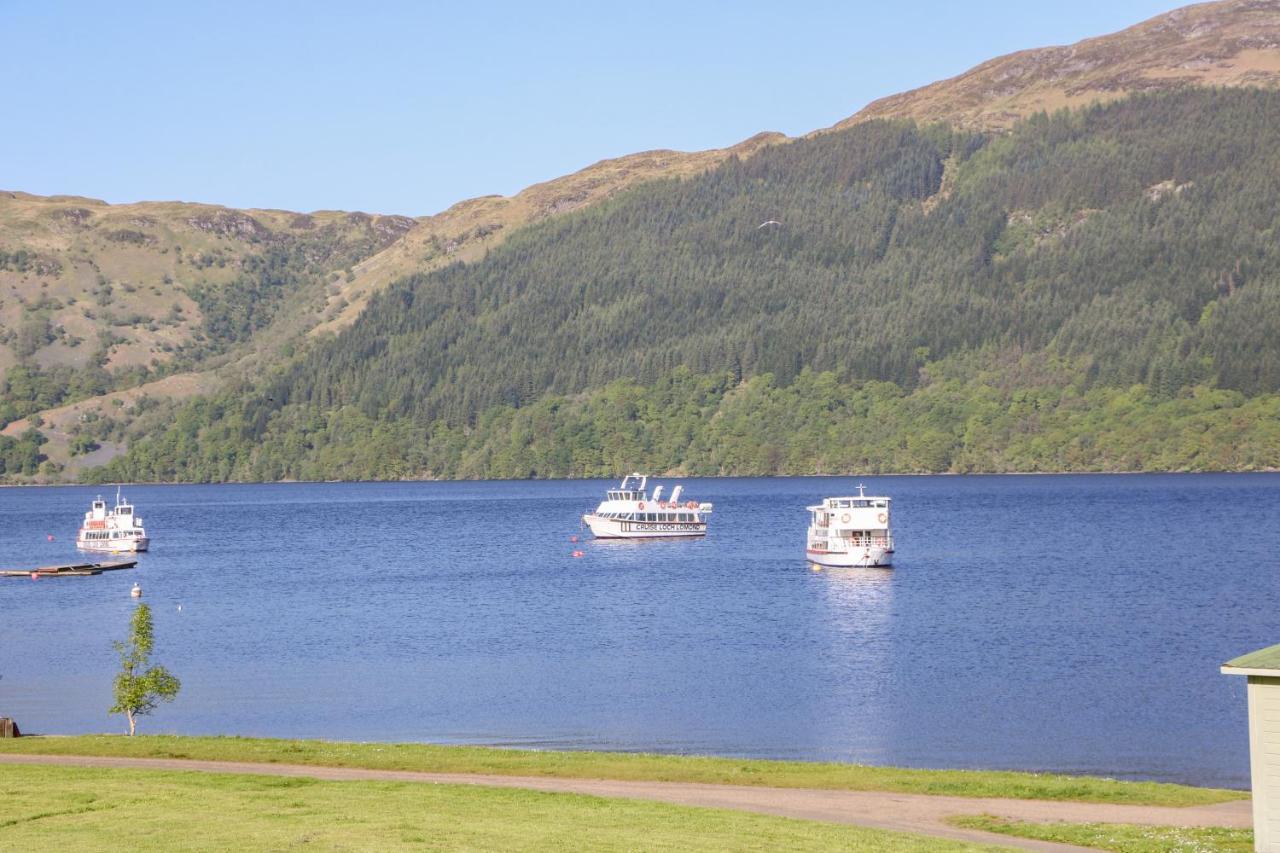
(692, 505)
(662, 504)
(641, 504)
(882, 518)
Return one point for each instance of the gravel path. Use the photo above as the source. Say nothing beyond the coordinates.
(918, 813)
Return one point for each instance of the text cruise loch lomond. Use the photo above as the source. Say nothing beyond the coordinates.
(116, 530)
(850, 532)
(628, 512)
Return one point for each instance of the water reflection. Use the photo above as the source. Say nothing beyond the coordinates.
(860, 599)
(856, 613)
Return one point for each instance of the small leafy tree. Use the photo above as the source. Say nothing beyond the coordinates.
(139, 689)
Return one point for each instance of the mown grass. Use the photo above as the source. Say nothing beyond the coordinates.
(1124, 837)
(627, 766)
(59, 808)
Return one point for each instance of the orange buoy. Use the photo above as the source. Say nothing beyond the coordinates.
(577, 553)
(50, 537)
(573, 538)
(35, 576)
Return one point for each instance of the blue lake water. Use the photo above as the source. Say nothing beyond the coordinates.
(1069, 623)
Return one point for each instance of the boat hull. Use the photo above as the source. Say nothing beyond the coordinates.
(855, 559)
(613, 528)
(116, 546)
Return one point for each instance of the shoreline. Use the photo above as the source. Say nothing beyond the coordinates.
(1262, 472)
(623, 766)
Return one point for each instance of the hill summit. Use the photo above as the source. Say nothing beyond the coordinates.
(1230, 43)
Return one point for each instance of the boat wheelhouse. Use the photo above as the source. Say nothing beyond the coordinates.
(850, 532)
(628, 512)
(113, 530)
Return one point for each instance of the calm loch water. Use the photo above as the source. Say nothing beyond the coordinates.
(1071, 623)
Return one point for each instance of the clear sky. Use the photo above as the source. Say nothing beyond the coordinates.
(408, 107)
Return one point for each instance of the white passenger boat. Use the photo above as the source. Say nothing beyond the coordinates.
(628, 512)
(849, 532)
(115, 530)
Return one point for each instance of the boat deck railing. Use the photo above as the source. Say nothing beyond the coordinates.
(879, 541)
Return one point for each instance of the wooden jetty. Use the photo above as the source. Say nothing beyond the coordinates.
(68, 570)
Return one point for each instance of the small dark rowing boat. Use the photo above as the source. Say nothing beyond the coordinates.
(68, 570)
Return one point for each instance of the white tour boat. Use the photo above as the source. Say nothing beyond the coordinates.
(111, 530)
(628, 512)
(848, 532)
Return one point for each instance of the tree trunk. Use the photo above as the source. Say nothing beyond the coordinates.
(131, 722)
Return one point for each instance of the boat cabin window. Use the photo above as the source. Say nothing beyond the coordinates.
(124, 510)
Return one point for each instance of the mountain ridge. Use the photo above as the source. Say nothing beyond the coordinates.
(255, 285)
(1228, 43)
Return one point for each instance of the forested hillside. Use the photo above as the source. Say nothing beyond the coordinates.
(1096, 289)
(107, 310)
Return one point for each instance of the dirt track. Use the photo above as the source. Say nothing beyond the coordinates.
(918, 813)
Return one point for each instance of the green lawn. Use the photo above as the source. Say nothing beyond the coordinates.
(59, 808)
(605, 765)
(1127, 838)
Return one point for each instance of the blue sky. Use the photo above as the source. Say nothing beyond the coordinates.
(408, 107)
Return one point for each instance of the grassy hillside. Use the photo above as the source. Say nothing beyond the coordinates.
(87, 284)
(104, 305)
(1095, 290)
(1230, 43)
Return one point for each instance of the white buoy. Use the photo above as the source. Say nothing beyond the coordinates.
(136, 592)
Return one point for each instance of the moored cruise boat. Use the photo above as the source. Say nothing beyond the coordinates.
(628, 512)
(850, 532)
(114, 530)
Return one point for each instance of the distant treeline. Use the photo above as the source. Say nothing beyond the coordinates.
(706, 425)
